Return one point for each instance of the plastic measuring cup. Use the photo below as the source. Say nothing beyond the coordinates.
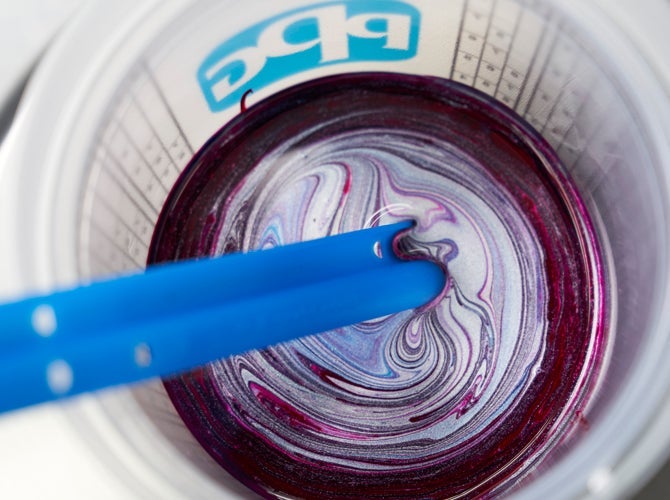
(130, 92)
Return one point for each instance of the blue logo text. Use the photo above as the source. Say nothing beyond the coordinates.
(373, 30)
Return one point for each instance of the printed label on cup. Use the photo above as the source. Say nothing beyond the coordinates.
(308, 38)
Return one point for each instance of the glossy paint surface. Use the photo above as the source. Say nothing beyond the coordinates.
(464, 396)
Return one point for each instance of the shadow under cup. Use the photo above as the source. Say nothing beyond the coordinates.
(582, 98)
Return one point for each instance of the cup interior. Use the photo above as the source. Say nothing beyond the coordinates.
(548, 62)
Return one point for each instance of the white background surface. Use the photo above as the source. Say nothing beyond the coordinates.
(26, 26)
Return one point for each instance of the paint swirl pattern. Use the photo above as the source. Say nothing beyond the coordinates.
(462, 396)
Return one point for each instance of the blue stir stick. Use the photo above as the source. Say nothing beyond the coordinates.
(178, 316)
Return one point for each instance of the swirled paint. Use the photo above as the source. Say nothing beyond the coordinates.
(462, 398)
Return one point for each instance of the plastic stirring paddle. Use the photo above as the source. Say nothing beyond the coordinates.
(177, 316)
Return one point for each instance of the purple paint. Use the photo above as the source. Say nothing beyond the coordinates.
(468, 395)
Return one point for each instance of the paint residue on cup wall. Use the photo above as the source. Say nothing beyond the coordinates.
(467, 395)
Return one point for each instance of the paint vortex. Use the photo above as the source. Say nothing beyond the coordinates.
(465, 397)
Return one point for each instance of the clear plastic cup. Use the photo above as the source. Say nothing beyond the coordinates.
(130, 92)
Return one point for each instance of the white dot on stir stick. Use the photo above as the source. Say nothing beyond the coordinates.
(59, 377)
(44, 320)
(142, 355)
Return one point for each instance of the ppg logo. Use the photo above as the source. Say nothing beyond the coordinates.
(360, 31)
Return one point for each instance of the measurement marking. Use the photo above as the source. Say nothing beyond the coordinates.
(468, 56)
(92, 192)
(108, 163)
(458, 40)
(162, 97)
(122, 252)
(531, 65)
(84, 207)
(158, 138)
(594, 133)
(543, 69)
(145, 160)
(552, 109)
(154, 215)
(485, 41)
(143, 247)
(101, 264)
(127, 226)
(564, 89)
(515, 32)
(140, 194)
(113, 253)
(580, 111)
(617, 93)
